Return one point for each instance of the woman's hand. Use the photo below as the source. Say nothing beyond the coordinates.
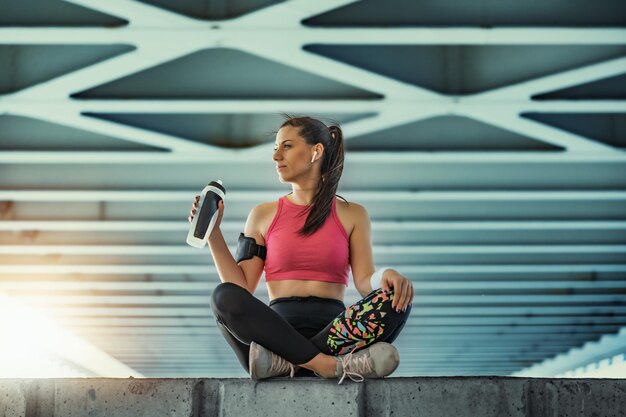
(220, 208)
(194, 206)
(402, 289)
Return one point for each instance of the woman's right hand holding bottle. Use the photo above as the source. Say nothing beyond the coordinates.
(220, 208)
(194, 206)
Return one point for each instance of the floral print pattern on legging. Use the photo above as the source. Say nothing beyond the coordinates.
(360, 324)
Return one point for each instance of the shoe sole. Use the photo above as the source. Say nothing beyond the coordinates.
(253, 356)
(396, 357)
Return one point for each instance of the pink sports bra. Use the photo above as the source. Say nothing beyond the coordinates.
(322, 256)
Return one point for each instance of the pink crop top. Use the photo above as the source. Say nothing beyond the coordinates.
(322, 256)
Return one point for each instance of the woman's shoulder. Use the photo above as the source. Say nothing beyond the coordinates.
(351, 206)
(267, 207)
(265, 214)
(350, 214)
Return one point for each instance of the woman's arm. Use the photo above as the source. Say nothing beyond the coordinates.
(361, 258)
(227, 268)
(247, 272)
(362, 263)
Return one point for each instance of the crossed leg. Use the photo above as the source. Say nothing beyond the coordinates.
(242, 318)
(370, 320)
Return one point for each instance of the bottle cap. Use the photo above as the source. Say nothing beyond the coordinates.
(218, 184)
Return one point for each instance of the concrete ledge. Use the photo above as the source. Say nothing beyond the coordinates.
(417, 397)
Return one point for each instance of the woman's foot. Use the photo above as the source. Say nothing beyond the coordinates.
(322, 365)
(376, 361)
(264, 363)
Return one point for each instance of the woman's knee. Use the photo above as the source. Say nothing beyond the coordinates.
(228, 298)
(379, 300)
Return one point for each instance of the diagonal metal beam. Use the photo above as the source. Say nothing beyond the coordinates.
(562, 79)
(289, 53)
(383, 120)
(126, 132)
(572, 142)
(288, 13)
(139, 13)
(102, 72)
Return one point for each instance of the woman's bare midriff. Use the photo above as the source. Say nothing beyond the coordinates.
(300, 288)
(291, 288)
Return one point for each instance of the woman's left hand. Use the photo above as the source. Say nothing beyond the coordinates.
(402, 288)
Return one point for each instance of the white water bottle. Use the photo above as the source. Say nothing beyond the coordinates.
(206, 214)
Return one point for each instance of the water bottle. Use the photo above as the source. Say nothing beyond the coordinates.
(206, 214)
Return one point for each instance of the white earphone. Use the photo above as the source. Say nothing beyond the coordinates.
(314, 155)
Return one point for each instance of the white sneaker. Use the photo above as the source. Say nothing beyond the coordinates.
(264, 363)
(376, 361)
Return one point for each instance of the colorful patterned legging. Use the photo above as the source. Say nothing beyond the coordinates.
(299, 328)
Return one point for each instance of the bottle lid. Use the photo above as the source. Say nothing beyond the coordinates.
(218, 184)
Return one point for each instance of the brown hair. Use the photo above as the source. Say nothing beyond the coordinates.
(314, 131)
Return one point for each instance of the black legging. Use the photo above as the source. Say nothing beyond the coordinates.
(299, 328)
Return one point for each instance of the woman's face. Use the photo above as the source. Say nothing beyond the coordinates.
(292, 154)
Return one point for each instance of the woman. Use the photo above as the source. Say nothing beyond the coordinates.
(307, 241)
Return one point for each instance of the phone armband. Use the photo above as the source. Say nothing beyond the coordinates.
(248, 248)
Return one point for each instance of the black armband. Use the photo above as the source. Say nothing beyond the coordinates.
(248, 248)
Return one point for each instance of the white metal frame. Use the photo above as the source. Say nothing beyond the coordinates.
(276, 33)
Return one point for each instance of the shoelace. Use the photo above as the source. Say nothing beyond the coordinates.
(281, 365)
(354, 366)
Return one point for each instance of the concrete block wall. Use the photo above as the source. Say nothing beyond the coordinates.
(415, 397)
